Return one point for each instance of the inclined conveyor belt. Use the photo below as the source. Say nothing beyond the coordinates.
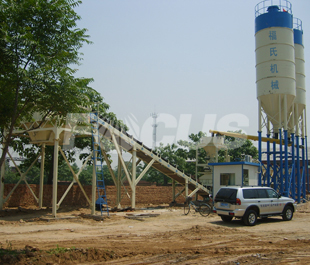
(127, 142)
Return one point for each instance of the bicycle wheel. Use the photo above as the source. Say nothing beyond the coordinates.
(205, 209)
(187, 208)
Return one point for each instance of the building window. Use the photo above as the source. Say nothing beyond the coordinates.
(245, 177)
(227, 179)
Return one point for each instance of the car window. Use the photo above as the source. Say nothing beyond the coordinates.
(249, 194)
(272, 193)
(226, 194)
(262, 193)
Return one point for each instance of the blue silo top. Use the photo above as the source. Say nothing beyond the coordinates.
(298, 32)
(273, 16)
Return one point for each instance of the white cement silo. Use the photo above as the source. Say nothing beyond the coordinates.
(300, 100)
(275, 63)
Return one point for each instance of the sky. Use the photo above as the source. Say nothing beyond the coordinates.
(190, 61)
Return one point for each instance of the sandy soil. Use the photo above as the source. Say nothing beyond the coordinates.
(167, 236)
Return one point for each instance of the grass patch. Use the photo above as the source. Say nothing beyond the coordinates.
(8, 250)
(59, 250)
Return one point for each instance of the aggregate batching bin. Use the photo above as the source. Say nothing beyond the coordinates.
(275, 61)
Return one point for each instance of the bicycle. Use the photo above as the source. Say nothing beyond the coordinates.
(199, 206)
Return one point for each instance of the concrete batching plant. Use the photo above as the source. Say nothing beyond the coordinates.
(280, 83)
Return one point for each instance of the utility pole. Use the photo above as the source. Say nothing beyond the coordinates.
(154, 125)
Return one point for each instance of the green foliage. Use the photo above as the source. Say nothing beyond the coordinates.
(39, 45)
(178, 155)
(238, 148)
(9, 176)
(8, 250)
(184, 152)
(87, 174)
(40, 42)
(58, 250)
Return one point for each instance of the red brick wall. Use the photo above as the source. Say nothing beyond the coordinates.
(145, 195)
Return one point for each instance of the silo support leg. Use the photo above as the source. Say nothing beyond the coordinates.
(55, 176)
(42, 176)
(134, 172)
(118, 184)
(173, 190)
(186, 188)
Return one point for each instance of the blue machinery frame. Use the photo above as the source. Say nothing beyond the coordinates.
(286, 169)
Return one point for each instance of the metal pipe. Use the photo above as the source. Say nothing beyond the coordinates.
(267, 174)
(260, 156)
(293, 179)
(298, 170)
(275, 171)
(303, 169)
(281, 165)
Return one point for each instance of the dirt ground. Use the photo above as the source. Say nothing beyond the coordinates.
(159, 235)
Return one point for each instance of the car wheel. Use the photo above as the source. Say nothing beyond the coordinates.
(250, 218)
(226, 219)
(287, 213)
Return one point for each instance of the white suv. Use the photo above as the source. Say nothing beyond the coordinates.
(248, 203)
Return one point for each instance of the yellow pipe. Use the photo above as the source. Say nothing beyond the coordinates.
(249, 137)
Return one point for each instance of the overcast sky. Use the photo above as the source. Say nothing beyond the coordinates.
(190, 61)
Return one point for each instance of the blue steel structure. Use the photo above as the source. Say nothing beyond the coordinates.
(285, 166)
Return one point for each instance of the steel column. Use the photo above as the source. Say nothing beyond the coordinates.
(293, 180)
(186, 188)
(134, 173)
(119, 185)
(55, 173)
(303, 169)
(286, 187)
(275, 167)
(260, 156)
(307, 169)
(281, 164)
(268, 162)
(94, 186)
(298, 169)
(42, 176)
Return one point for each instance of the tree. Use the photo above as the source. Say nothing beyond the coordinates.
(178, 155)
(39, 43)
(184, 151)
(189, 149)
(238, 148)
